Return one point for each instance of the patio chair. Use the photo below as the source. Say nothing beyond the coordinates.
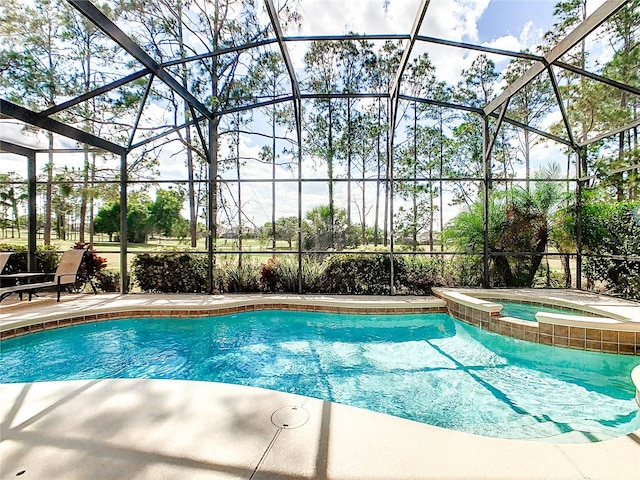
(4, 258)
(65, 275)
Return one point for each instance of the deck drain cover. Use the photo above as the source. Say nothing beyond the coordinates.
(289, 417)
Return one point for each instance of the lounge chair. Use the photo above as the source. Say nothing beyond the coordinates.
(65, 275)
(4, 258)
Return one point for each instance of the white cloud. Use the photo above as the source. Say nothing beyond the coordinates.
(450, 19)
(333, 17)
(550, 119)
(507, 42)
(18, 133)
(455, 20)
(15, 132)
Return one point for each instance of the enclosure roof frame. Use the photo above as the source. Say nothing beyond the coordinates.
(152, 68)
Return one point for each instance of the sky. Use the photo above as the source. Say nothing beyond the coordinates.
(506, 24)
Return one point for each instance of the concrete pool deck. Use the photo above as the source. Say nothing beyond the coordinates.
(166, 429)
(156, 429)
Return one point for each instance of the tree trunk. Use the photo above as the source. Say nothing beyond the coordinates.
(527, 160)
(364, 209)
(379, 165)
(349, 154)
(330, 175)
(440, 193)
(541, 246)
(503, 269)
(273, 173)
(430, 214)
(84, 199)
(385, 240)
(193, 208)
(415, 175)
(193, 212)
(93, 177)
(239, 194)
(566, 270)
(48, 212)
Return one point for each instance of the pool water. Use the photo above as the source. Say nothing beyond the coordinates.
(528, 312)
(429, 368)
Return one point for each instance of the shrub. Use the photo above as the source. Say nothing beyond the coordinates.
(91, 267)
(358, 274)
(611, 233)
(289, 274)
(462, 271)
(313, 274)
(170, 272)
(18, 261)
(107, 281)
(47, 260)
(419, 274)
(269, 276)
(241, 278)
(281, 275)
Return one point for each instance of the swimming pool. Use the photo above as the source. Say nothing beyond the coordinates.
(430, 368)
(528, 312)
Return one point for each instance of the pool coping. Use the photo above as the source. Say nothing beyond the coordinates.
(616, 329)
(361, 444)
(20, 319)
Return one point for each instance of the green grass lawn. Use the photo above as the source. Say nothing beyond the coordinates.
(102, 244)
(111, 250)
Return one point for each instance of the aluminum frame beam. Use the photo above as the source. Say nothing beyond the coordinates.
(421, 38)
(30, 154)
(100, 20)
(480, 48)
(9, 147)
(542, 133)
(141, 108)
(611, 133)
(605, 11)
(94, 93)
(563, 110)
(32, 118)
(608, 173)
(493, 137)
(598, 78)
(141, 73)
(69, 150)
(297, 108)
(439, 103)
(353, 36)
(277, 28)
(406, 54)
(479, 111)
(394, 93)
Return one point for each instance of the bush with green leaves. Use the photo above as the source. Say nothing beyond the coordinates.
(462, 271)
(357, 274)
(313, 275)
(92, 264)
(419, 274)
(240, 278)
(610, 234)
(281, 275)
(269, 276)
(107, 281)
(170, 272)
(46, 258)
